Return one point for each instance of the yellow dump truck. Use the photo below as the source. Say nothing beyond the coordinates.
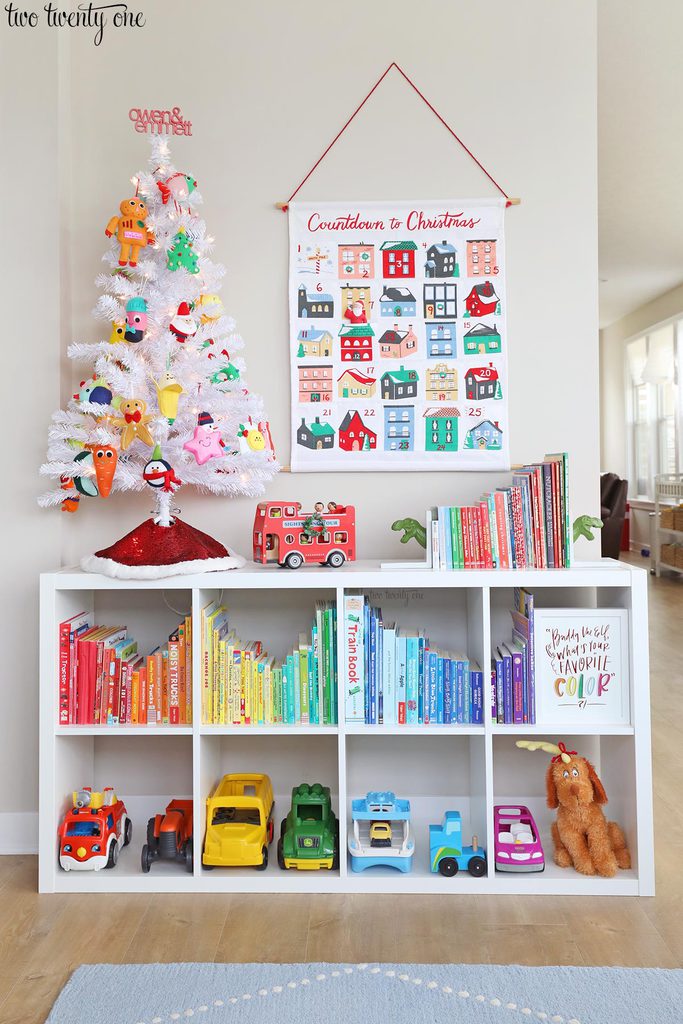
(239, 822)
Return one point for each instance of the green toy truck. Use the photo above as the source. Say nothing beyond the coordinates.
(309, 835)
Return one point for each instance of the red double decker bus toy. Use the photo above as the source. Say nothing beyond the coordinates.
(290, 537)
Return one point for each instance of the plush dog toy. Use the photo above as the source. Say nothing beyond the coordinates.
(582, 837)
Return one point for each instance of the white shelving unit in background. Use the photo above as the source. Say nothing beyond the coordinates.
(668, 492)
(465, 768)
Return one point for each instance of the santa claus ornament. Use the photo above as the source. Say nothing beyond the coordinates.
(183, 326)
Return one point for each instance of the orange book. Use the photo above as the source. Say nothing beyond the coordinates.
(188, 669)
(142, 706)
(158, 683)
(165, 719)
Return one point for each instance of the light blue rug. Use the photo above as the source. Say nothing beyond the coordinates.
(368, 994)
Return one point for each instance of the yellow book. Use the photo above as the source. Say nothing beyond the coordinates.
(188, 669)
(229, 680)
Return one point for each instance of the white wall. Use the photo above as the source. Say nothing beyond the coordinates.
(266, 87)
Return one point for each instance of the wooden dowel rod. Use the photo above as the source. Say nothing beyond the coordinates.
(285, 206)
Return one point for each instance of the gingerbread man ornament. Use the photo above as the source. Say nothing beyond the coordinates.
(133, 422)
(130, 230)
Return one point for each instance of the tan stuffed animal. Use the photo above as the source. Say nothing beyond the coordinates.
(130, 230)
(133, 422)
(582, 837)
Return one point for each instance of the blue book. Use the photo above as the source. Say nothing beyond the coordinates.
(432, 704)
(401, 678)
(517, 683)
(379, 671)
(445, 537)
(421, 647)
(373, 667)
(477, 683)
(459, 700)
(507, 684)
(412, 673)
(447, 691)
(366, 652)
(439, 689)
(389, 675)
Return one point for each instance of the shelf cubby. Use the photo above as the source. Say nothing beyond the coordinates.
(438, 768)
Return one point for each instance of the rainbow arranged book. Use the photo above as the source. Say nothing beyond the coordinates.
(395, 676)
(526, 525)
(105, 680)
(243, 685)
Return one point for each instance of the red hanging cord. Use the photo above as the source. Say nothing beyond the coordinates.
(285, 206)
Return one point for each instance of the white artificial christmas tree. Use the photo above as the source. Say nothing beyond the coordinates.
(164, 401)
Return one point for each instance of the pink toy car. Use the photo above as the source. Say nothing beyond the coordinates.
(517, 844)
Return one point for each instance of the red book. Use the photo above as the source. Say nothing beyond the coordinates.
(501, 530)
(485, 527)
(477, 546)
(466, 538)
(539, 500)
(67, 631)
(84, 645)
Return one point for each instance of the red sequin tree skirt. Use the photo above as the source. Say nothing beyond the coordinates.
(151, 551)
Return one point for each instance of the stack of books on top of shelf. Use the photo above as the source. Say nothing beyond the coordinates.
(396, 676)
(243, 685)
(525, 525)
(104, 680)
(513, 667)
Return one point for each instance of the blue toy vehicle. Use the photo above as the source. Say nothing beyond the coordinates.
(380, 832)
(446, 852)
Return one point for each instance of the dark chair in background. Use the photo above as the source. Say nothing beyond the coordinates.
(613, 492)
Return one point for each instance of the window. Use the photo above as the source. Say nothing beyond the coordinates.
(654, 406)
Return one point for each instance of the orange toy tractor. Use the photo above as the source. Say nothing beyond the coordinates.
(169, 836)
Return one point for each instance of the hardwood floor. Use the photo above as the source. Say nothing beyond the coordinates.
(43, 938)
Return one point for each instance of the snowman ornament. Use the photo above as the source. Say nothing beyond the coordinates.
(159, 473)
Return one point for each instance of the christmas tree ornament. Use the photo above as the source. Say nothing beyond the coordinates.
(250, 438)
(130, 230)
(70, 502)
(178, 187)
(136, 319)
(182, 254)
(157, 380)
(118, 332)
(168, 395)
(211, 307)
(133, 422)
(226, 373)
(183, 325)
(159, 473)
(153, 551)
(94, 390)
(206, 442)
(85, 482)
(104, 457)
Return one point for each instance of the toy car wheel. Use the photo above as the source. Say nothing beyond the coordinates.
(113, 855)
(336, 559)
(335, 858)
(280, 855)
(188, 854)
(283, 827)
(448, 867)
(152, 840)
(477, 867)
(127, 832)
(294, 560)
(146, 858)
(264, 863)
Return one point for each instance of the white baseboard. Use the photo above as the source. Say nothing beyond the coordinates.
(18, 833)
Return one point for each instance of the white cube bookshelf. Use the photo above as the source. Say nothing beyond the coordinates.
(467, 768)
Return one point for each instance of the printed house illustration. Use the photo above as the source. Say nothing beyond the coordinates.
(356, 262)
(481, 339)
(482, 300)
(485, 435)
(354, 436)
(442, 383)
(352, 294)
(355, 384)
(397, 302)
(356, 343)
(442, 260)
(395, 344)
(314, 343)
(315, 436)
(482, 382)
(440, 301)
(398, 259)
(315, 383)
(441, 428)
(315, 303)
(440, 339)
(481, 257)
(399, 428)
(399, 384)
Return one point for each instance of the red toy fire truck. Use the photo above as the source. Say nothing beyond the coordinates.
(290, 537)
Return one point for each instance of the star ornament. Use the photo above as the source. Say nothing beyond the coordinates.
(205, 444)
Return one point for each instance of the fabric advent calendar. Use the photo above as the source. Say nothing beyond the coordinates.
(398, 336)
